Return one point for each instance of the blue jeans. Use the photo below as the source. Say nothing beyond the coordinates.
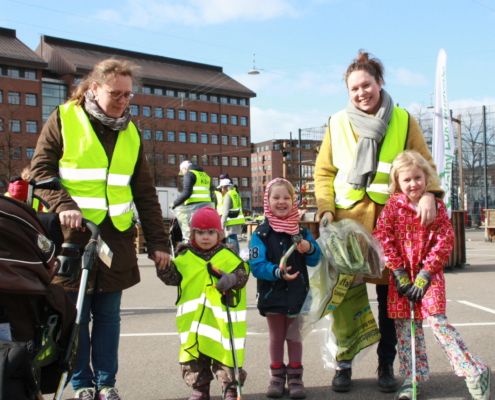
(233, 242)
(100, 349)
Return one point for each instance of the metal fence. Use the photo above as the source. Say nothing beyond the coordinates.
(473, 186)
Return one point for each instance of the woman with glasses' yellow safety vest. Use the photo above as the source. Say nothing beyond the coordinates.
(351, 181)
(93, 147)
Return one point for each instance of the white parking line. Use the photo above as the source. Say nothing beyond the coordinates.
(468, 303)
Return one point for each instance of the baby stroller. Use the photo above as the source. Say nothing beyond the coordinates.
(38, 323)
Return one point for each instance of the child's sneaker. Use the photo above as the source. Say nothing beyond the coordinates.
(85, 394)
(108, 393)
(479, 387)
(405, 392)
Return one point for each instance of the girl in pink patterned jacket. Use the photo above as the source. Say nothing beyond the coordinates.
(416, 255)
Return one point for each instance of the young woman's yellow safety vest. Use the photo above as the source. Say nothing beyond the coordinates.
(201, 189)
(201, 317)
(344, 146)
(97, 185)
(236, 206)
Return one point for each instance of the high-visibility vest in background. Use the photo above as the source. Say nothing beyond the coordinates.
(219, 197)
(236, 208)
(201, 189)
(95, 184)
(344, 146)
(201, 317)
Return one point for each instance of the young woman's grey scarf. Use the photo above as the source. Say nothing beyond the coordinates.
(92, 107)
(370, 129)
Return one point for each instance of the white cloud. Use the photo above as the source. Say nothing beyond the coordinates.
(152, 13)
(405, 77)
(269, 123)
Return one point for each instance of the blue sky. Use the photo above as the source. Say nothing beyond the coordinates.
(302, 47)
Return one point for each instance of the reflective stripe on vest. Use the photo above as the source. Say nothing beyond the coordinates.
(201, 317)
(344, 146)
(236, 206)
(84, 169)
(201, 189)
(219, 197)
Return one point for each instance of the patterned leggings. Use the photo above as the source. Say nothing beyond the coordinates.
(462, 361)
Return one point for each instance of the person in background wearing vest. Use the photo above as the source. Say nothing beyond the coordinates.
(232, 216)
(281, 293)
(197, 192)
(202, 271)
(351, 181)
(95, 149)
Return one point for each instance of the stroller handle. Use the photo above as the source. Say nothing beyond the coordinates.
(93, 228)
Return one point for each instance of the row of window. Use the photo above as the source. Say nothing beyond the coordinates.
(175, 159)
(184, 115)
(182, 94)
(15, 126)
(17, 72)
(16, 153)
(30, 99)
(194, 137)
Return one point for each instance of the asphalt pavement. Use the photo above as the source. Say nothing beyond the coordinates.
(149, 344)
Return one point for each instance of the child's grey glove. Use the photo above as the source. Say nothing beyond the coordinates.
(421, 284)
(226, 282)
(402, 281)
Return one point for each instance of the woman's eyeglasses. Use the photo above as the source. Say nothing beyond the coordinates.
(117, 95)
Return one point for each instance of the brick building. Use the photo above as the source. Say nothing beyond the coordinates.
(184, 109)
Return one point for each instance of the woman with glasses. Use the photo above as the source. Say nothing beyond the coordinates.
(93, 147)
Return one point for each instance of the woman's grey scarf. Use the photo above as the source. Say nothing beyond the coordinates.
(92, 107)
(371, 129)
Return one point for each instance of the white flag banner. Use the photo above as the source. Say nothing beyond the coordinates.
(443, 139)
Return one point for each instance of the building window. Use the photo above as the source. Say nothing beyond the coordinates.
(171, 159)
(242, 102)
(194, 159)
(203, 97)
(243, 141)
(30, 99)
(182, 137)
(182, 115)
(235, 181)
(193, 96)
(13, 73)
(159, 136)
(225, 161)
(170, 113)
(244, 182)
(15, 153)
(214, 138)
(158, 112)
(224, 119)
(182, 157)
(203, 117)
(234, 161)
(170, 92)
(146, 90)
(214, 118)
(244, 162)
(204, 138)
(233, 119)
(15, 126)
(233, 140)
(30, 74)
(214, 99)
(146, 134)
(134, 109)
(181, 94)
(243, 121)
(224, 100)
(1, 96)
(146, 111)
(158, 91)
(215, 160)
(14, 98)
(193, 137)
(53, 94)
(29, 152)
(225, 140)
(1, 124)
(193, 116)
(32, 126)
(204, 159)
(170, 136)
(233, 100)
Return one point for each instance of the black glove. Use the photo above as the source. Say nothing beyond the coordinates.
(226, 282)
(402, 281)
(421, 284)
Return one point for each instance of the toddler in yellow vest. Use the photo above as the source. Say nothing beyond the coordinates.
(212, 335)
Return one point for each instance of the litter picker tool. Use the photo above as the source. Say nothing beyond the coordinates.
(296, 239)
(413, 352)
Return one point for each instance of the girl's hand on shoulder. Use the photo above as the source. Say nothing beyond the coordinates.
(303, 246)
(287, 276)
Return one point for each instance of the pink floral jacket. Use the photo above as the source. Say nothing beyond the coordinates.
(412, 246)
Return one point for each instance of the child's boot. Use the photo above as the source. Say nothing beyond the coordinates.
(277, 382)
(229, 392)
(201, 392)
(479, 387)
(295, 383)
